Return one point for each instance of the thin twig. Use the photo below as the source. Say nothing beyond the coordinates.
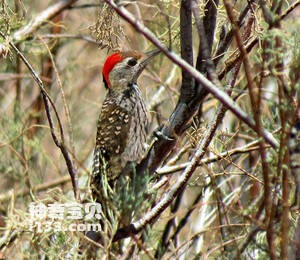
(71, 36)
(208, 229)
(59, 142)
(235, 151)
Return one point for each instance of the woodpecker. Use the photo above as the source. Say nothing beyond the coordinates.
(121, 129)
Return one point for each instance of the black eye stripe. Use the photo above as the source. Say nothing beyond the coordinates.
(132, 62)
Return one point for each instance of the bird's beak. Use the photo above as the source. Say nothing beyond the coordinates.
(145, 61)
(149, 56)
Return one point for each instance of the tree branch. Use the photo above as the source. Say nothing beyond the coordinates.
(187, 91)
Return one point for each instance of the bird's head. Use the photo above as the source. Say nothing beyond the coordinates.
(124, 68)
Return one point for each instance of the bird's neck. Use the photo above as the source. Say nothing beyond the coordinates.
(128, 91)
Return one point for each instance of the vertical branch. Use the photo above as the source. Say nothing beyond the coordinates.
(204, 61)
(287, 119)
(186, 41)
(18, 84)
(285, 173)
(18, 69)
(294, 147)
(209, 22)
(255, 99)
(206, 44)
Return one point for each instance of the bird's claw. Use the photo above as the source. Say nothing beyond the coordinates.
(159, 134)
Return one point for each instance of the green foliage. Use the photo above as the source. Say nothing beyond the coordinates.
(11, 159)
(133, 198)
(295, 63)
(126, 198)
(9, 20)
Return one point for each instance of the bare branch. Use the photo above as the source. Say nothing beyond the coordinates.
(71, 36)
(187, 86)
(206, 65)
(209, 24)
(253, 146)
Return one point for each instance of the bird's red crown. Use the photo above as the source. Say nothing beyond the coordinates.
(109, 64)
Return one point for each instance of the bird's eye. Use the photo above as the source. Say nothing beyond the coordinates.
(132, 62)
